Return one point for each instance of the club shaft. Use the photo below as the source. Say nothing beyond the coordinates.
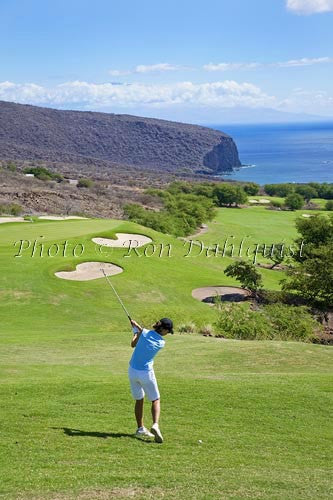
(116, 294)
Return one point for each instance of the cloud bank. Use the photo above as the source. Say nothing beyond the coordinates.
(226, 93)
(310, 6)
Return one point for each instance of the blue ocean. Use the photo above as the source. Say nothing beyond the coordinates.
(283, 152)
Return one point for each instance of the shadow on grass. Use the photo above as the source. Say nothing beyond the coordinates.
(104, 435)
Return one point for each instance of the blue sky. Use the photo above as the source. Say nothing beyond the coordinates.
(211, 61)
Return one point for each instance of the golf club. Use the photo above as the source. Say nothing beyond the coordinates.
(120, 301)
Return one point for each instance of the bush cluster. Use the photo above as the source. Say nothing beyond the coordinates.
(181, 214)
(307, 191)
(10, 209)
(43, 174)
(222, 193)
(271, 322)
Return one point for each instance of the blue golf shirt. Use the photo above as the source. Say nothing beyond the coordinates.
(149, 343)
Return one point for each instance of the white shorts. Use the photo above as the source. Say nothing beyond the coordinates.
(143, 382)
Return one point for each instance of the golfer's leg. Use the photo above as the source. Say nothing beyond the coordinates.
(155, 410)
(138, 410)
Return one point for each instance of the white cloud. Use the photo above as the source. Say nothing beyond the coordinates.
(226, 93)
(153, 68)
(148, 68)
(318, 102)
(304, 62)
(310, 6)
(230, 66)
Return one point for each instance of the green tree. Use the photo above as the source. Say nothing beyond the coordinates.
(281, 190)
(329, 205)
(251, 188)
(306, 191)
(294, 201)
(314, 232)
(246, 273)
(240, 196)
(313, 278)
(312, 275)
(227, 194)
(277, 255)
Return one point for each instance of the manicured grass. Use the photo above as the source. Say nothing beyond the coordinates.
(256, 226)
(151, 286)
(260, 408)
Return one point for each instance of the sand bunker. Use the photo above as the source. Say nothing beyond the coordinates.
(263, 200)
(12, 219)
(60, 217)
(307, 215)
(226, 293)
(89, 271)
(123, 240)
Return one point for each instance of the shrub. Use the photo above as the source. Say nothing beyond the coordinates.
(277, 203)
(271, 322)
(181, 214)
(329, 205)
(294, 201)
(3, 209)
(187, 328)
(291, 322)
(207, 330)
(15, 209)
(43, 174)
(85, 183)
(11, 166)
(237, 321)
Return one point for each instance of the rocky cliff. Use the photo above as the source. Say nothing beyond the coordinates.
(80, 137)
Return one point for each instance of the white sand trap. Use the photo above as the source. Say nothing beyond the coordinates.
(60, 217)
(263, 201)
(12, 219)
(89, 271)
(307, 215)
(206, 292)
(123, 239)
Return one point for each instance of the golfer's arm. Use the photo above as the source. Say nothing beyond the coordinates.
(136, 336)
(135, 339)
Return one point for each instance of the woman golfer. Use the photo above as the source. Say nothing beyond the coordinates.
(141, 374)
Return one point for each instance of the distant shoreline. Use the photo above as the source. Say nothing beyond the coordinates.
(289, 152)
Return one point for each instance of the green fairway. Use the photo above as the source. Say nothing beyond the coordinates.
(255, 226)
(261, 409)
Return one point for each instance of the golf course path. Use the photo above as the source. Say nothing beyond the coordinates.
(89, 271)
(210, 292)
(123, 239)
